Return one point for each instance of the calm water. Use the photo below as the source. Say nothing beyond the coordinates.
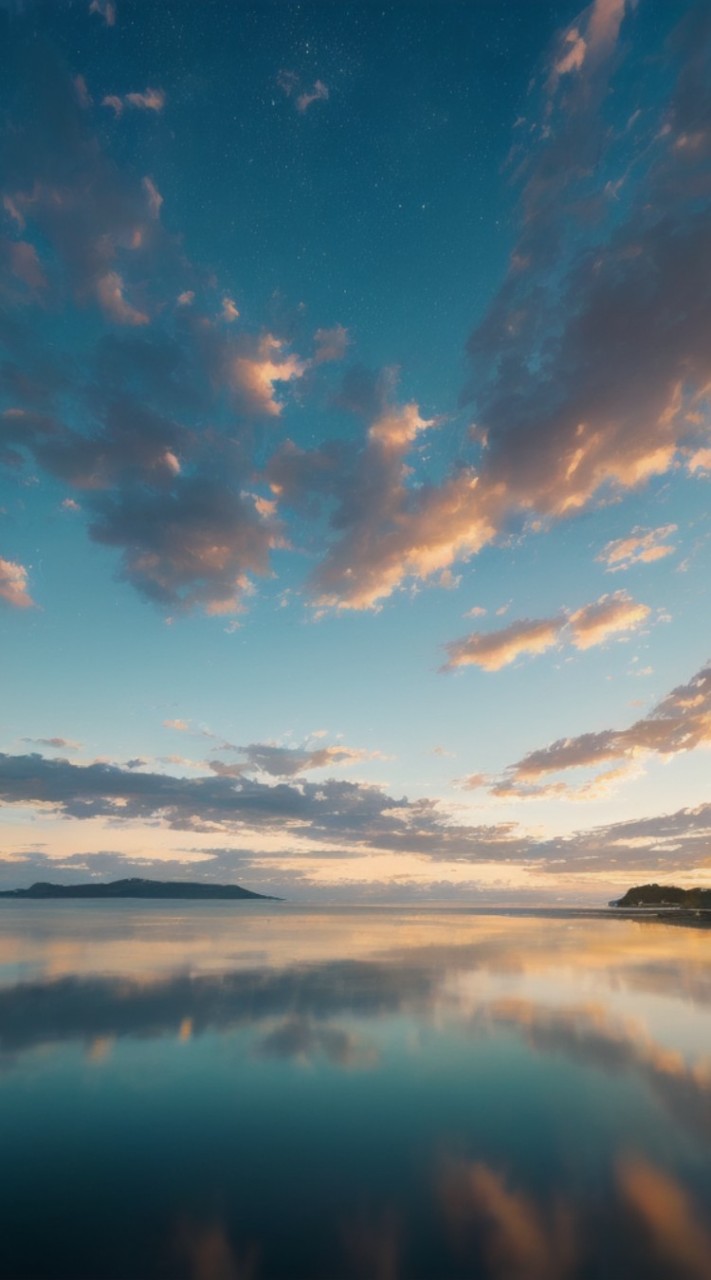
(252, 1091)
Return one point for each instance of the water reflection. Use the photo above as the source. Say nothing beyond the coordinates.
(220, 1092)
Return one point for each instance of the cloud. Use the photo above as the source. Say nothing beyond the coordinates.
(700, 460)
(398, 427)
(680, 722)
(572, 54)
(254, 369)
(333, 814)
(149, 100)
(641, 546)
(290, 84)
(585, 380)
(105, 9)
(114, 102)
(496, 649)
(182, 726)
(346, 819)
(13, 585)
(319, 93)
(590, 370)
(187, 540)
(109, 290)
(94, 221)
(229, 311)
(84, 98)
(583, 628)
(57, 744)
(155, 199)
(331, 344)
(365, 489)
(288, 762)
(591, 38)
(608, 616)
(24, 263)
(192, 546)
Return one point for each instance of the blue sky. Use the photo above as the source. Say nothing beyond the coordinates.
(354, 445)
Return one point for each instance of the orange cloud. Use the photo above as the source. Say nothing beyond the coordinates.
(608, 616)
(398, 427)
(496, 649)
(229, 311)
(254, 375)
(13, 584)
(149, 100)
(642, 546)
(591, 625)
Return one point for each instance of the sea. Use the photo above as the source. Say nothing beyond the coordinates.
(269, 1091)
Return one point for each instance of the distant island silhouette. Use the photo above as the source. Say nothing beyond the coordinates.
(665, 895)
(137, 888)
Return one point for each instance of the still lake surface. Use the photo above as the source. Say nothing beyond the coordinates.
(257, 1091)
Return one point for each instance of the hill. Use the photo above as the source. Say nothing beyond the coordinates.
(137, 888)
(664, 895)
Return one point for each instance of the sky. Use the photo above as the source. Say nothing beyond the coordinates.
(355, 451)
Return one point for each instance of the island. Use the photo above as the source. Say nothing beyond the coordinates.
(137, 888)
(665, 895)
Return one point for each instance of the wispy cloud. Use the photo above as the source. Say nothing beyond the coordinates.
(331, 344)
(289, 762)
(611, 615)
(302, 96)
(148, 100)
(318, 93)
(641, 546)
